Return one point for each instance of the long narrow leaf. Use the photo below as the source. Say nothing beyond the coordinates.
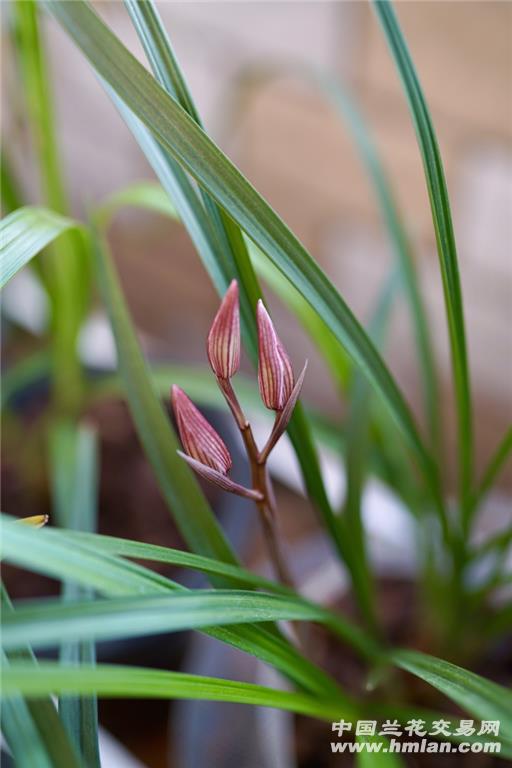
(480, 697)
(11, 194)
(224, 256)
(50, 554)
(50, 622)
(32, 727)
(178, 485)
(166, 69)
(371, 758)
(179, 134)
(155, 553)
(74, 470)
(24, 233)
(358, 445)
(66, 265)
(153, 197)
(136, 682)
(441, 215)
(347, 109)
(21, 734)
(493, 469)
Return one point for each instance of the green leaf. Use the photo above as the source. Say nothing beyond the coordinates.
(183, 195)
(493, 469)
(375, 757)
(22, 735)
(11, 195)
(32, 728)
(233, 251)
(177, 482)
(161, 57)
(406, 712)
(441, 215)
(46, 551)
(201, 387)
(221, 247)
(24, 233)
(143, 194)
(312, 322)
(49, 553)
(136, 682)
(74, 470)
(65, 267)
(357, 454)
(188, 144)
(180, 488)
(483, 699)
(50, 622)
(152, 552)
(300, 427)
(347, 109)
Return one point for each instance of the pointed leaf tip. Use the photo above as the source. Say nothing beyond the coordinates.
(223, 344)
(199, 438)
(275, 374)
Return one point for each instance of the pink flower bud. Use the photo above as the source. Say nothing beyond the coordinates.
(223, 344)
(199, 438)
(275, 374)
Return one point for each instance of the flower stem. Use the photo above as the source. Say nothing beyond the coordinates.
(260, 482)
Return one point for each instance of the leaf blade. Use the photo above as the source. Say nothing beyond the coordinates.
(114, 681)
(74, 467)
(24, 233)
(480, 697)
(178, 485)
(175, 130)
(50, 554)
(446, 248)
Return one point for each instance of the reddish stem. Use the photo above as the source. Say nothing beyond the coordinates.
(260, 482)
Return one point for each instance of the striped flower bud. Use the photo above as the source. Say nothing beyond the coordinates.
(199, 438)
(223, 346)
(275, 374)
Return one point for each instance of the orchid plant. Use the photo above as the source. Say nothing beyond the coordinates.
(206, 452)
(240, 239)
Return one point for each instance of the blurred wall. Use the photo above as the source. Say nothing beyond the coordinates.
(298, 154)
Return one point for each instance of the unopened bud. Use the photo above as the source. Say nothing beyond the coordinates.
(223, 344)
(199, 438)
(275, 374)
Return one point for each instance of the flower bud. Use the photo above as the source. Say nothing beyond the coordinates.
(275, 374)
(199, 438)
(223, 346)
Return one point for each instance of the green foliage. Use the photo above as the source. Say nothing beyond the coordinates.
(442, 220)
(24, 234)
(236, 235)
(480, 697)
(74, 469)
